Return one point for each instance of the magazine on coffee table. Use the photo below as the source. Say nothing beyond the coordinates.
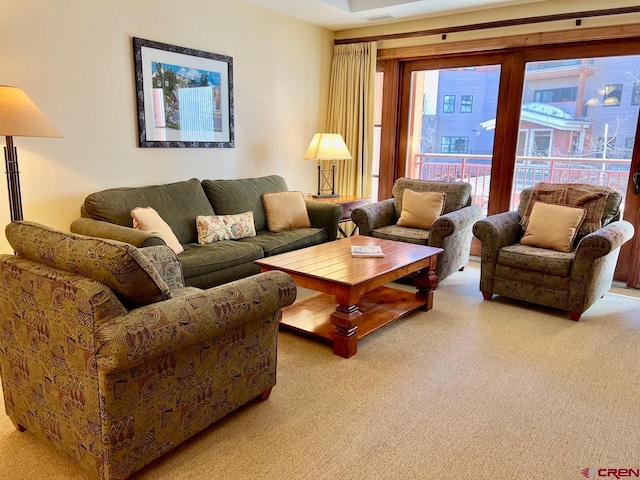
(366, 251)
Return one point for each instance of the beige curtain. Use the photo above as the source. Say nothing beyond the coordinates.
(350, 112)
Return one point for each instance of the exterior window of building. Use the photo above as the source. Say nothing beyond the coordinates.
(455, 144)
(635, 95)
(449, 104)
(612, 95)
(466, 103)
(554, 95)
(628, 146)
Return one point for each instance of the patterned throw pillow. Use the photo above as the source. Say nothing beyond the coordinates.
(213, 228)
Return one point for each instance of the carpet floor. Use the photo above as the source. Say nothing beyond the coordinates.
(470, 390)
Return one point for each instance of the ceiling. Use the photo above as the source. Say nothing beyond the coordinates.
(344, 14)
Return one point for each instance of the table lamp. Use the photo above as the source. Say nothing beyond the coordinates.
(327, 146)
(19, 117)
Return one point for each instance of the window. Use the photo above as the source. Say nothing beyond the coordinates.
(628, 146)
(449, 104)
(466, 103)
(553, 95)
(454, 144)
(635, 95)
(612, 95)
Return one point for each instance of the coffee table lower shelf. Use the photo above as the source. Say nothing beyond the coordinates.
(378, 307)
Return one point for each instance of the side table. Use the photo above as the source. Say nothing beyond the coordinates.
(348, 203)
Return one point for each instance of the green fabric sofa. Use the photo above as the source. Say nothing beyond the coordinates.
(106, 214)
(106, 356)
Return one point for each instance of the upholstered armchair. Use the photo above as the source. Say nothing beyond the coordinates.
(107, 356)
(451, 231)
(568, 280)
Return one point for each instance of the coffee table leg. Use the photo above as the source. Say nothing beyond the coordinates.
(345, 340)
(426, 282)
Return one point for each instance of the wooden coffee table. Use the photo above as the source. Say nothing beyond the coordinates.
(355, 301)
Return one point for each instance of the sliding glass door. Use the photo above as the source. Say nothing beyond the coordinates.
(446, 138)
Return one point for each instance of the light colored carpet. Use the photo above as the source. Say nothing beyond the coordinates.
(471, 389)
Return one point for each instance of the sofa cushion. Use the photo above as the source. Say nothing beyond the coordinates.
(202, 259)
(177, 203)
(213, 228)
(242, 195)
(285, 211)
(148, 220)
(287, 241)
(119, 266)
(458, 194)
(536, 259)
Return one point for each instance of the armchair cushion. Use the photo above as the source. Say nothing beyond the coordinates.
(553, 226)
(421, 209)
(119, 266)
(535, 259)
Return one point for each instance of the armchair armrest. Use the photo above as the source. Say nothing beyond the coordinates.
(452, 222)
(101, 229)
(195, 318)
(497, 231)
(325, 215)
(604, 241)
(167, 264)
(374, 215)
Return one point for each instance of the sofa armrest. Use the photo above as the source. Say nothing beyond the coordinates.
(167, 265)
(454, 222)
(325, 215)
(374, 215)
(193, 319)
(101, 229)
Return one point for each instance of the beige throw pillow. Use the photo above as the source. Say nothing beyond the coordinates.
(148, 220)
(285, 211)
(553, 226)
(420, 209)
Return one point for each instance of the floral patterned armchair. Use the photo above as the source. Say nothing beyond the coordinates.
(108, 357)
(570, 281)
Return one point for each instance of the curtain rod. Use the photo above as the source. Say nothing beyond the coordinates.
(496, 24)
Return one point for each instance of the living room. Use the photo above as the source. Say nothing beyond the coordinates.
(75, 61)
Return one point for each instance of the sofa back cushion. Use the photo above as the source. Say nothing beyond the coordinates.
(457, 194)
(177, 203)
(242, 195)
(119, 266)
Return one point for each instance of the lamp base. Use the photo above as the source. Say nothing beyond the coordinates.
(326, 195)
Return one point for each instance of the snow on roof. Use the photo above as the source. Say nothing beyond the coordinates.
(545, 109)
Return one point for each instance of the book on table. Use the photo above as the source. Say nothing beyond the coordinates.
(366, 251)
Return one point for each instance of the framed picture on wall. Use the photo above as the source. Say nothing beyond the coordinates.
(184, 97)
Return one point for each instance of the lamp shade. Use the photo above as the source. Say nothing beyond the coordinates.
(327, 146)
(19, 116)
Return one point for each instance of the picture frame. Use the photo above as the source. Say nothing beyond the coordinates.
(184, 96)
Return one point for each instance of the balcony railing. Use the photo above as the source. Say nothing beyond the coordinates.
(476, 170)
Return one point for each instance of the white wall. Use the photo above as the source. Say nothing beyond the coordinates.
(74, 58)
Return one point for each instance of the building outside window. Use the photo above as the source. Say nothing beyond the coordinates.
(466, 103)
(454, 144)
(449, 104)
